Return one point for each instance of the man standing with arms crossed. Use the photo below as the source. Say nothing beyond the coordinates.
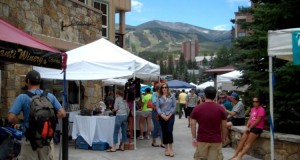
(212, 130)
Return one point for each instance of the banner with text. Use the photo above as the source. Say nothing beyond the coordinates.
(11, 52)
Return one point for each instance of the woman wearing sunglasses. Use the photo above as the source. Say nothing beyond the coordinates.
(254, 128)
(166, 107)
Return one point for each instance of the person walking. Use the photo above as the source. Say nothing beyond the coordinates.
(182, 103)
(191, 102)
(121, 108)
(209, 116)
(254, 128)
(166, 107)
(23, 104)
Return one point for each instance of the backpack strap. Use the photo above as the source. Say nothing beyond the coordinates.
(30, 94)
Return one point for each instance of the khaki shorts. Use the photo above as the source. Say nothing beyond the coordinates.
(45, 153)
(208, 151)
(146, 113)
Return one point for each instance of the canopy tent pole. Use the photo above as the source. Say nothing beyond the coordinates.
(65, 122)
(271, 107)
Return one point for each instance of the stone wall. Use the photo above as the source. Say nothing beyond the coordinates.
(46, 17)
(287, 146)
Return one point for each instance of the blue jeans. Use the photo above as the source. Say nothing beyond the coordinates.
(120, 122)
(156, 126)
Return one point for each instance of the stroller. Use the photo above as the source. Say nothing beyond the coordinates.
(9, 143)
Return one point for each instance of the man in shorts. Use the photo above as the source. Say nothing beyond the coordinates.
(209, 116)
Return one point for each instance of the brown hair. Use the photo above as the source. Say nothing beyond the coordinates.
(120, 93)
(160, 93)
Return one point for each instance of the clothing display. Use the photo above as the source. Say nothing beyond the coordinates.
(132, 89)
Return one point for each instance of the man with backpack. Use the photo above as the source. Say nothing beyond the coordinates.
(40, 112)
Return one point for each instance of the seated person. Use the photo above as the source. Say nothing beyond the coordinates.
(254, 128)
(237, 114)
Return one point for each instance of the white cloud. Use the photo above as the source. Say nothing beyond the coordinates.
(223, 27)
(136, 6)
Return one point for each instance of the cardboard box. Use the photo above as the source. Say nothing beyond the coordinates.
(129, 146)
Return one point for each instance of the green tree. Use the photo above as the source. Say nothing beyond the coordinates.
(163, 69)
(170, 64)
(222, 58)
(249, 54)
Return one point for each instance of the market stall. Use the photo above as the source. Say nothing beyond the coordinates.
(283, 44)
(100, 60)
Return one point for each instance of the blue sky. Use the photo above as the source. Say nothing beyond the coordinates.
(210, 14)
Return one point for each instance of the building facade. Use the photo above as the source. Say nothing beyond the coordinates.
(62, 24)
(243, 15)
(190, 50)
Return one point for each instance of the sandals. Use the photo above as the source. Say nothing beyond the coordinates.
(141, 138)
(155, 145)
(162, 146)
(120, 149)
(171, 154)
(110, 150)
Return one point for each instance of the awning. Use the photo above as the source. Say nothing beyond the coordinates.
(18, 46)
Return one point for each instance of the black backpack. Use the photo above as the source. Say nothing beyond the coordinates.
(42, 120)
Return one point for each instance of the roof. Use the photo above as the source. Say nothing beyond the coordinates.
(220, 70)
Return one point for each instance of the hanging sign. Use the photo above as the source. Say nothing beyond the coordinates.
(11, 52)
(296, 47)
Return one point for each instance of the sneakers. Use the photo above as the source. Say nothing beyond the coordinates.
(147, 137)
(141, 138)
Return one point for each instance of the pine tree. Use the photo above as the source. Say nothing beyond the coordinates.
(249, 54)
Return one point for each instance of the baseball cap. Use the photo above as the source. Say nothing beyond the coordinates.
(33, 76)
(234, 95)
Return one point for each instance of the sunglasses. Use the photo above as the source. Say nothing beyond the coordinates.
(164, 87)
(255, 101)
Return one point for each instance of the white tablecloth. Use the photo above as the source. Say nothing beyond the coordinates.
(94, 128)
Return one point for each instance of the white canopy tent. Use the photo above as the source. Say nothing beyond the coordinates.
(226, 81)
(99, 60)
(207, 84)
(279, 46)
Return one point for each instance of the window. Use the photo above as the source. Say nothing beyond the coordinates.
(241, 34)
(103, 7)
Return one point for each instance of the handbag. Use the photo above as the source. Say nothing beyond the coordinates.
(150, 104)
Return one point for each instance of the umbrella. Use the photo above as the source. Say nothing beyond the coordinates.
(179, 84)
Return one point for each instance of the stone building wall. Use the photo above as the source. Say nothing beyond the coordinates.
(287, 146)
(45, 17)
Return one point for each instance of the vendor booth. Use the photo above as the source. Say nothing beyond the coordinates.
(100, 60)
(283, 44)
(17, 46)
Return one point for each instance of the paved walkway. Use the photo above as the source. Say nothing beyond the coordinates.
(182, 147)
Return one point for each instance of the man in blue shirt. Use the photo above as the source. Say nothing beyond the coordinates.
(22, 104)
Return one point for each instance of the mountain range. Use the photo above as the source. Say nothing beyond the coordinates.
(160, 36)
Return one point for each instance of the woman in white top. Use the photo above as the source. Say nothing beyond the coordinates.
(122, 110)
